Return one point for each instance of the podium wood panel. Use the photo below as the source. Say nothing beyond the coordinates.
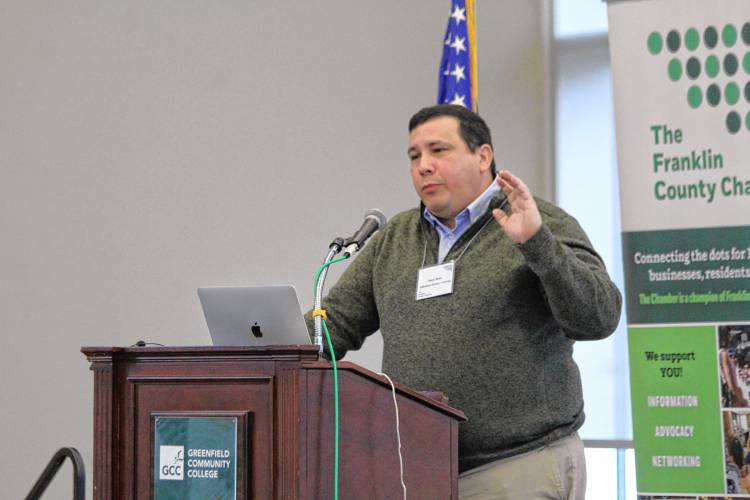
(287, 396)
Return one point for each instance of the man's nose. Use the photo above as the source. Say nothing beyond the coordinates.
(426, 164)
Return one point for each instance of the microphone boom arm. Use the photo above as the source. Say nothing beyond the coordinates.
(374, 220)
(318, 302)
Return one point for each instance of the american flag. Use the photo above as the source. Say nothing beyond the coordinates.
(458, 68)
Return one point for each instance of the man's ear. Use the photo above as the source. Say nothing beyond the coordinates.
(485, 157)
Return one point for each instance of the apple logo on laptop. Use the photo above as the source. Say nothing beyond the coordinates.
(255, 330)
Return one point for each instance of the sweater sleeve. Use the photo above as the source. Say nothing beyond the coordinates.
(583, 299)
(350, 304)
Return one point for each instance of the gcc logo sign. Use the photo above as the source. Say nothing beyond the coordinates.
(171, 462)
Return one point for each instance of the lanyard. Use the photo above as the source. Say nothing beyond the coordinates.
(466, 247)
(463, 251)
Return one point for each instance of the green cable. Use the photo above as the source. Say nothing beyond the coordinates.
(335, 388)
(322, 268)
(336, 416)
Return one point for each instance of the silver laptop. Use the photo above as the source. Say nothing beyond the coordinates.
(254, 315)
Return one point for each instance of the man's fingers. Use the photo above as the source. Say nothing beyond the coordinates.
(514, 184)
(519, 197)
(504, 186)
(499, 216)
(508, 178)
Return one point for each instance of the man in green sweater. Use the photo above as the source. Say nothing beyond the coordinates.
(480, 293)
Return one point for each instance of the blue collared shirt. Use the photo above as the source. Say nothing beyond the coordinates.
(464, 220)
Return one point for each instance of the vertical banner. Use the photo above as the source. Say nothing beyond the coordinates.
(681, 77)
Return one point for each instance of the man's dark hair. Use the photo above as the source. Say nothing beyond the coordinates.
(474, 131)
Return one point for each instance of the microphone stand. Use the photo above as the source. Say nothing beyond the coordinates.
(334, 249)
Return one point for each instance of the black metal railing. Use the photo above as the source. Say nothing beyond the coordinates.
(79, 474)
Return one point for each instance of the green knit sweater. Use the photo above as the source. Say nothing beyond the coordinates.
(500, 346)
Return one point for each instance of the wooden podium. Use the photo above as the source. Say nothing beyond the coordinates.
(283, 398)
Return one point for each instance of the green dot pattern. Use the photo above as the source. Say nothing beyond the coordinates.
(710, 37)
(732, 93)
(674, 69)
(673, 41)
(730, 64)
(712, 66)
(695, 97)
(655, 43)
(692, 39)
(713, 94)
(729, 35)
(733, 122)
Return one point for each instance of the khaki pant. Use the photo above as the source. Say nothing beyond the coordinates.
(556, 471)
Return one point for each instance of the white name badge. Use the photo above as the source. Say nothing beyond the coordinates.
(435, 281)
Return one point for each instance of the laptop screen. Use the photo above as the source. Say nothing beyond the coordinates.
(254, 315)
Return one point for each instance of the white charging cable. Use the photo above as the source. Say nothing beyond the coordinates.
(398, 433)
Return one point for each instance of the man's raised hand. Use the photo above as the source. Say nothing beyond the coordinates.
(524, 221)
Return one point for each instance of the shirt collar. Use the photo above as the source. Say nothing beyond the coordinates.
(473, 212)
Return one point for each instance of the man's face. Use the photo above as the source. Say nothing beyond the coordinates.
(446, 174)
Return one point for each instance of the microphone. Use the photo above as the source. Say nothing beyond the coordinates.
(374, 220)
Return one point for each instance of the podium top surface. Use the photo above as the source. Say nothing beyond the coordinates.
(305, 355)
(435, 399)
(307, 351)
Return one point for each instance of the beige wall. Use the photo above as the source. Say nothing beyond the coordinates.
(151, 147)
